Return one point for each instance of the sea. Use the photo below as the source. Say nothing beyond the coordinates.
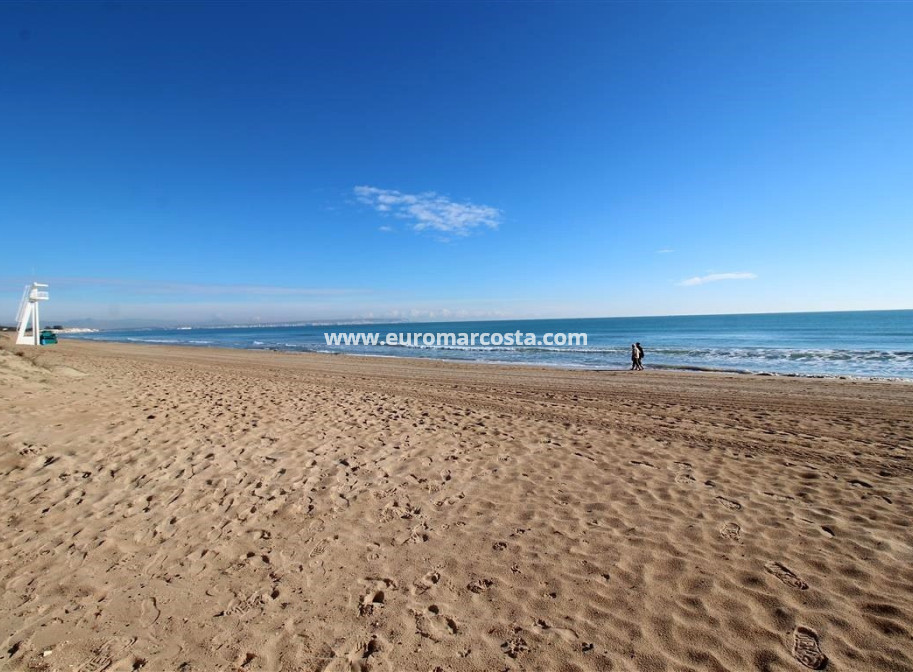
(870, 344)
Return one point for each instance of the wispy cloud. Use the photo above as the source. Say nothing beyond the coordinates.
(665, 250)
(716, 277)
(429, 210)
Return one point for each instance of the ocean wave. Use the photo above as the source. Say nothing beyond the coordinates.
(797, 355)
(169, 341)
(794, 354)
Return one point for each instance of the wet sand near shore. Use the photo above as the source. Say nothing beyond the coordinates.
(166, 508)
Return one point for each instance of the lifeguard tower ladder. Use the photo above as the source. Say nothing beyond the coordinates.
(28, 311)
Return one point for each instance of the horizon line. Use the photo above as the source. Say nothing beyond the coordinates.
(363, 321)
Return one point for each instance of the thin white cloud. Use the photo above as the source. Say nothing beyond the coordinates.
(665, 250)
(429, 210)
(716, 277)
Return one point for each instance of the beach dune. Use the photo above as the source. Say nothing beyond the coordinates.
(201, 509)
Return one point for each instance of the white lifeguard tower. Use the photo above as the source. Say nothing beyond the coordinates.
(28, 312)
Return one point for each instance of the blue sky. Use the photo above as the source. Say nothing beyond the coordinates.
(190, 162)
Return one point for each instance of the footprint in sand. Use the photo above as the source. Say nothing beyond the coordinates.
(426, 583)
(807, 650)
(780, 498)
(31, 449)
(319, 549)
(543, 628)
(424, 627)
(370, 602)
(364, 657)
(515, 646)
(480, 585)
(100, 661)
(418, 535)
(449, 623)
(786, 575)
(106, 654)
(149, 612)
(374, 598)
(731, 531)
(433, 624)
(239, 608)
(730, 504)
(684, 477)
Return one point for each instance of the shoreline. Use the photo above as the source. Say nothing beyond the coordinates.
(543, 365)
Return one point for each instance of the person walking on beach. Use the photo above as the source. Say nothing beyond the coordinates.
(635, 362)
(640, 356)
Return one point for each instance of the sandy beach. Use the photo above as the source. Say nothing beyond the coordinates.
(201, 509)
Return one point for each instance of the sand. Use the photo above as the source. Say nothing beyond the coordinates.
(200, 509)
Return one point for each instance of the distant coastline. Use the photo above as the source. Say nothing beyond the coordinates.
(93, 324)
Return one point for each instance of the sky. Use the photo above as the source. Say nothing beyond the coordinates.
(191, 163)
